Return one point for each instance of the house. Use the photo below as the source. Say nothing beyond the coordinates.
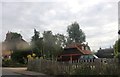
(74, 52)
(13, 41)
(6, 54)
(105, 53)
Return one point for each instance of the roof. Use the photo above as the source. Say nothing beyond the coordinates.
(86, 52)
(79, 47)
(74, 45)
(105, 53)
(108, 50)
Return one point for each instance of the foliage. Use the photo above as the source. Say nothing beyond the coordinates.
(61, 40)
(119, 32)
(16, 36)
(20, 56)
(75, 33)
(32, 56)
(117, 48)
(47, 46)
(51, 45)
(36, 43)
(11, 63)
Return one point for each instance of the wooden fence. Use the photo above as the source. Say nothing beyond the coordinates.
(80, 67)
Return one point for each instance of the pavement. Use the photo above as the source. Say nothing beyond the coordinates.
(20, 72)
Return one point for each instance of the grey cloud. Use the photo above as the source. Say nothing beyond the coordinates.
(25, 16)
(100, 14)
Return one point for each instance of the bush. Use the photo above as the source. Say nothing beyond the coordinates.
(20, 56)
(119, 58)
(10, 63)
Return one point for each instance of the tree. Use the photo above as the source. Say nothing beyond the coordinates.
(60, 43)
(75, 34)
(48, 44)
(117, 48)
(61, 40)
(20, 56)
(53, 44)
(36, 43)
(119, 32)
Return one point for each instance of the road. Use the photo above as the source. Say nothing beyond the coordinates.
(20, 72)
(12, 72)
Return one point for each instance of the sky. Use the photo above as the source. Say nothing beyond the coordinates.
(97, 18)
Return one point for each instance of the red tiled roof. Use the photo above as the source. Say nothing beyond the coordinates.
(87, 52)
(79, 47)
(74, 45)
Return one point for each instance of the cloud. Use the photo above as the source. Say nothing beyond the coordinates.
(0, 22)
(97, 18)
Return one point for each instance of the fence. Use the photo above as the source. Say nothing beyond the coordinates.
(80, 67)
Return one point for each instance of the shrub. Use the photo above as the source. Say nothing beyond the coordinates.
(10, 63)
(20, 56)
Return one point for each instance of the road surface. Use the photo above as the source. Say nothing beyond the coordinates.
(20, 72)
(12, 72)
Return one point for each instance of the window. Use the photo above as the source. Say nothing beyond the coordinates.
(82, 47)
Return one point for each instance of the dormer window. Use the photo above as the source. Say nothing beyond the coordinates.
(86, 48)
(82, 47)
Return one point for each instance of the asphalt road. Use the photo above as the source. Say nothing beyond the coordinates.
(12, 72)
(20, 72)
